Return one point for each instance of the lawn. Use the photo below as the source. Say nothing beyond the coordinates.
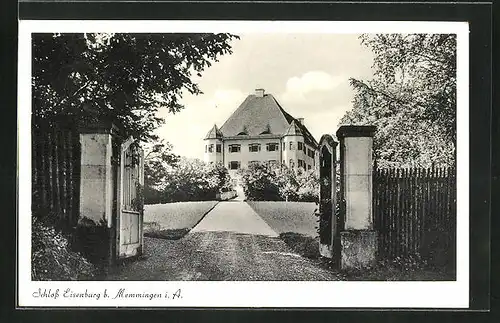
(174, 220)
(282, 217)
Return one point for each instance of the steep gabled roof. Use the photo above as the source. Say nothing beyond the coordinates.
(214, 133)
(256, 115)
(263, 115)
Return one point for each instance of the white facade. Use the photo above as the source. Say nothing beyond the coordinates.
(261, 149)
(260, 130)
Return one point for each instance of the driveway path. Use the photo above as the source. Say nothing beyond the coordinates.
(240, 193)
(234, 216)
(232, 242)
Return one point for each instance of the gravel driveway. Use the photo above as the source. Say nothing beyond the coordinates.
(242, 248)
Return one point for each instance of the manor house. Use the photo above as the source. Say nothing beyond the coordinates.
(260, 130)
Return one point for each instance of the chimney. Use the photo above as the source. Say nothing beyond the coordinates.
(259, 93)
(301, 120)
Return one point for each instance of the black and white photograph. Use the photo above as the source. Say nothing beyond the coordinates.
(174, 158)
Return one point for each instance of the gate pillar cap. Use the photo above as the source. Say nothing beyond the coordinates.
(356, 131)
(329, 140)
(103, 127)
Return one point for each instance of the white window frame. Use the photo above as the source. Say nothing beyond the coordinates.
(250, 146)
(234, 161)
(272, 144)
(232, 146)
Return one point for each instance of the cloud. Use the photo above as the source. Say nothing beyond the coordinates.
(298, 88)
(318, 97)
(325, 122)
(223, 103)
(186, 129)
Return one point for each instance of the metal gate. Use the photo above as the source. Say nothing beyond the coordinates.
(328, 223)
(130, 203)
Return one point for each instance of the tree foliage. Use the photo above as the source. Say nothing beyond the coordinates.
(411, 99)
(123, 78)
(158, 160)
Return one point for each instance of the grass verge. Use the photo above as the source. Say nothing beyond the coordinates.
(169, 234)
(172, 221)
(177, 215)
(303, 245)
(288, 217)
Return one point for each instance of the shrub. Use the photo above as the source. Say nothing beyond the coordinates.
(260, 182)
(269, 182)
(288, 184)
(190, 180)
(218, 177)
(52, 259)
(308, 186)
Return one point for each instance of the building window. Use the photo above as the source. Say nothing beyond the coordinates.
(211, 148)
(283, 148)
(218, 148)
(272, 162)
(291, 145)
(300, 146)
(253, 162)
(254, 148)
(234, 165)
(309, 167)
(310, 153)
(234, 148)
(272, 146)
(300, 163)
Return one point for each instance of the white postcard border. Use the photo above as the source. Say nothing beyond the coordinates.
(245, 294)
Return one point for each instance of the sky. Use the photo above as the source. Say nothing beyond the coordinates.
(307, 73)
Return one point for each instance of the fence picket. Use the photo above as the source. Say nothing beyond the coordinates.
(411, 206)
(392, 220)
(56, 163)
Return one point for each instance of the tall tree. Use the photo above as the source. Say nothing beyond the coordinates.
(158, 161)
(411, 99)
(124, 78)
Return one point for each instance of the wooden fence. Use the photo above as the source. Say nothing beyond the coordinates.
(415, 213)
(55, 173)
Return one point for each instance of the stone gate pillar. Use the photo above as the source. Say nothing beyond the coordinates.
(358, 238)
(96, 195)
(97, 192)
